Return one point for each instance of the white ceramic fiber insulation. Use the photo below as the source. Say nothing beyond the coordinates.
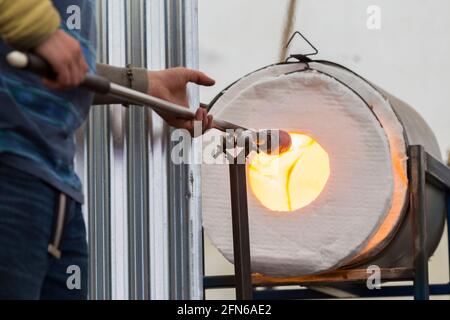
(397, 145)
(357, 197)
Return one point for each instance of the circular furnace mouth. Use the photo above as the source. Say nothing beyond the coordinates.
(293, 179)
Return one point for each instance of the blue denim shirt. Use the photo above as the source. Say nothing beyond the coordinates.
(37, 126)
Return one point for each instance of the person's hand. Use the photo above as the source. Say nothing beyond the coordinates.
(171, 85)
(64, 54)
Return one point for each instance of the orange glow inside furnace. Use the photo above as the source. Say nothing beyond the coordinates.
(291, 180)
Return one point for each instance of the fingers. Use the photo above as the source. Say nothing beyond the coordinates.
(207, 120)
(76, 67)
(62, 69)
(210, 122)
(65, 55)
(79, 66)
(201, 115)
(199, 78)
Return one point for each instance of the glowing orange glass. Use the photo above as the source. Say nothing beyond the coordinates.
(292, 180)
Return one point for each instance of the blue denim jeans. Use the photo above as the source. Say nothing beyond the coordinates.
(27, 271)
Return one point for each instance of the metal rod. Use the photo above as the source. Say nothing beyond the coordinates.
(448, 230)
(178, 175)
(241, 237)
(99, 183)
(189, 19)
(332, 278)
(116, 129)
(204, 285)
(102, 85)
(137, 162)
(438, 173)
(361, 290)
(158, 160)
(419, 221)
(163, 106)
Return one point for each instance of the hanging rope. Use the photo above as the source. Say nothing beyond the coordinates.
(288, 28)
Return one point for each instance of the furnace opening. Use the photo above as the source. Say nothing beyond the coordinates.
(291, 180)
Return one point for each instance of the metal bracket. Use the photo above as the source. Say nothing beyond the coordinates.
(239, 212)
(423, 169)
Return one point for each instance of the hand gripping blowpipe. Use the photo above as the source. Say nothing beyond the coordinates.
(101, 85)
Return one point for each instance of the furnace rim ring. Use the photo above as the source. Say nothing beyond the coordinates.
(305, 69)
(379, 250)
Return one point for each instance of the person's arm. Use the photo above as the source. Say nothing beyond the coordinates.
(24, 24)
(169, 84)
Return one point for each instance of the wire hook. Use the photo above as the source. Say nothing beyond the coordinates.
(297, 56)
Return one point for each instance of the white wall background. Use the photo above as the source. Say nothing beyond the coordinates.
(408, 56)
